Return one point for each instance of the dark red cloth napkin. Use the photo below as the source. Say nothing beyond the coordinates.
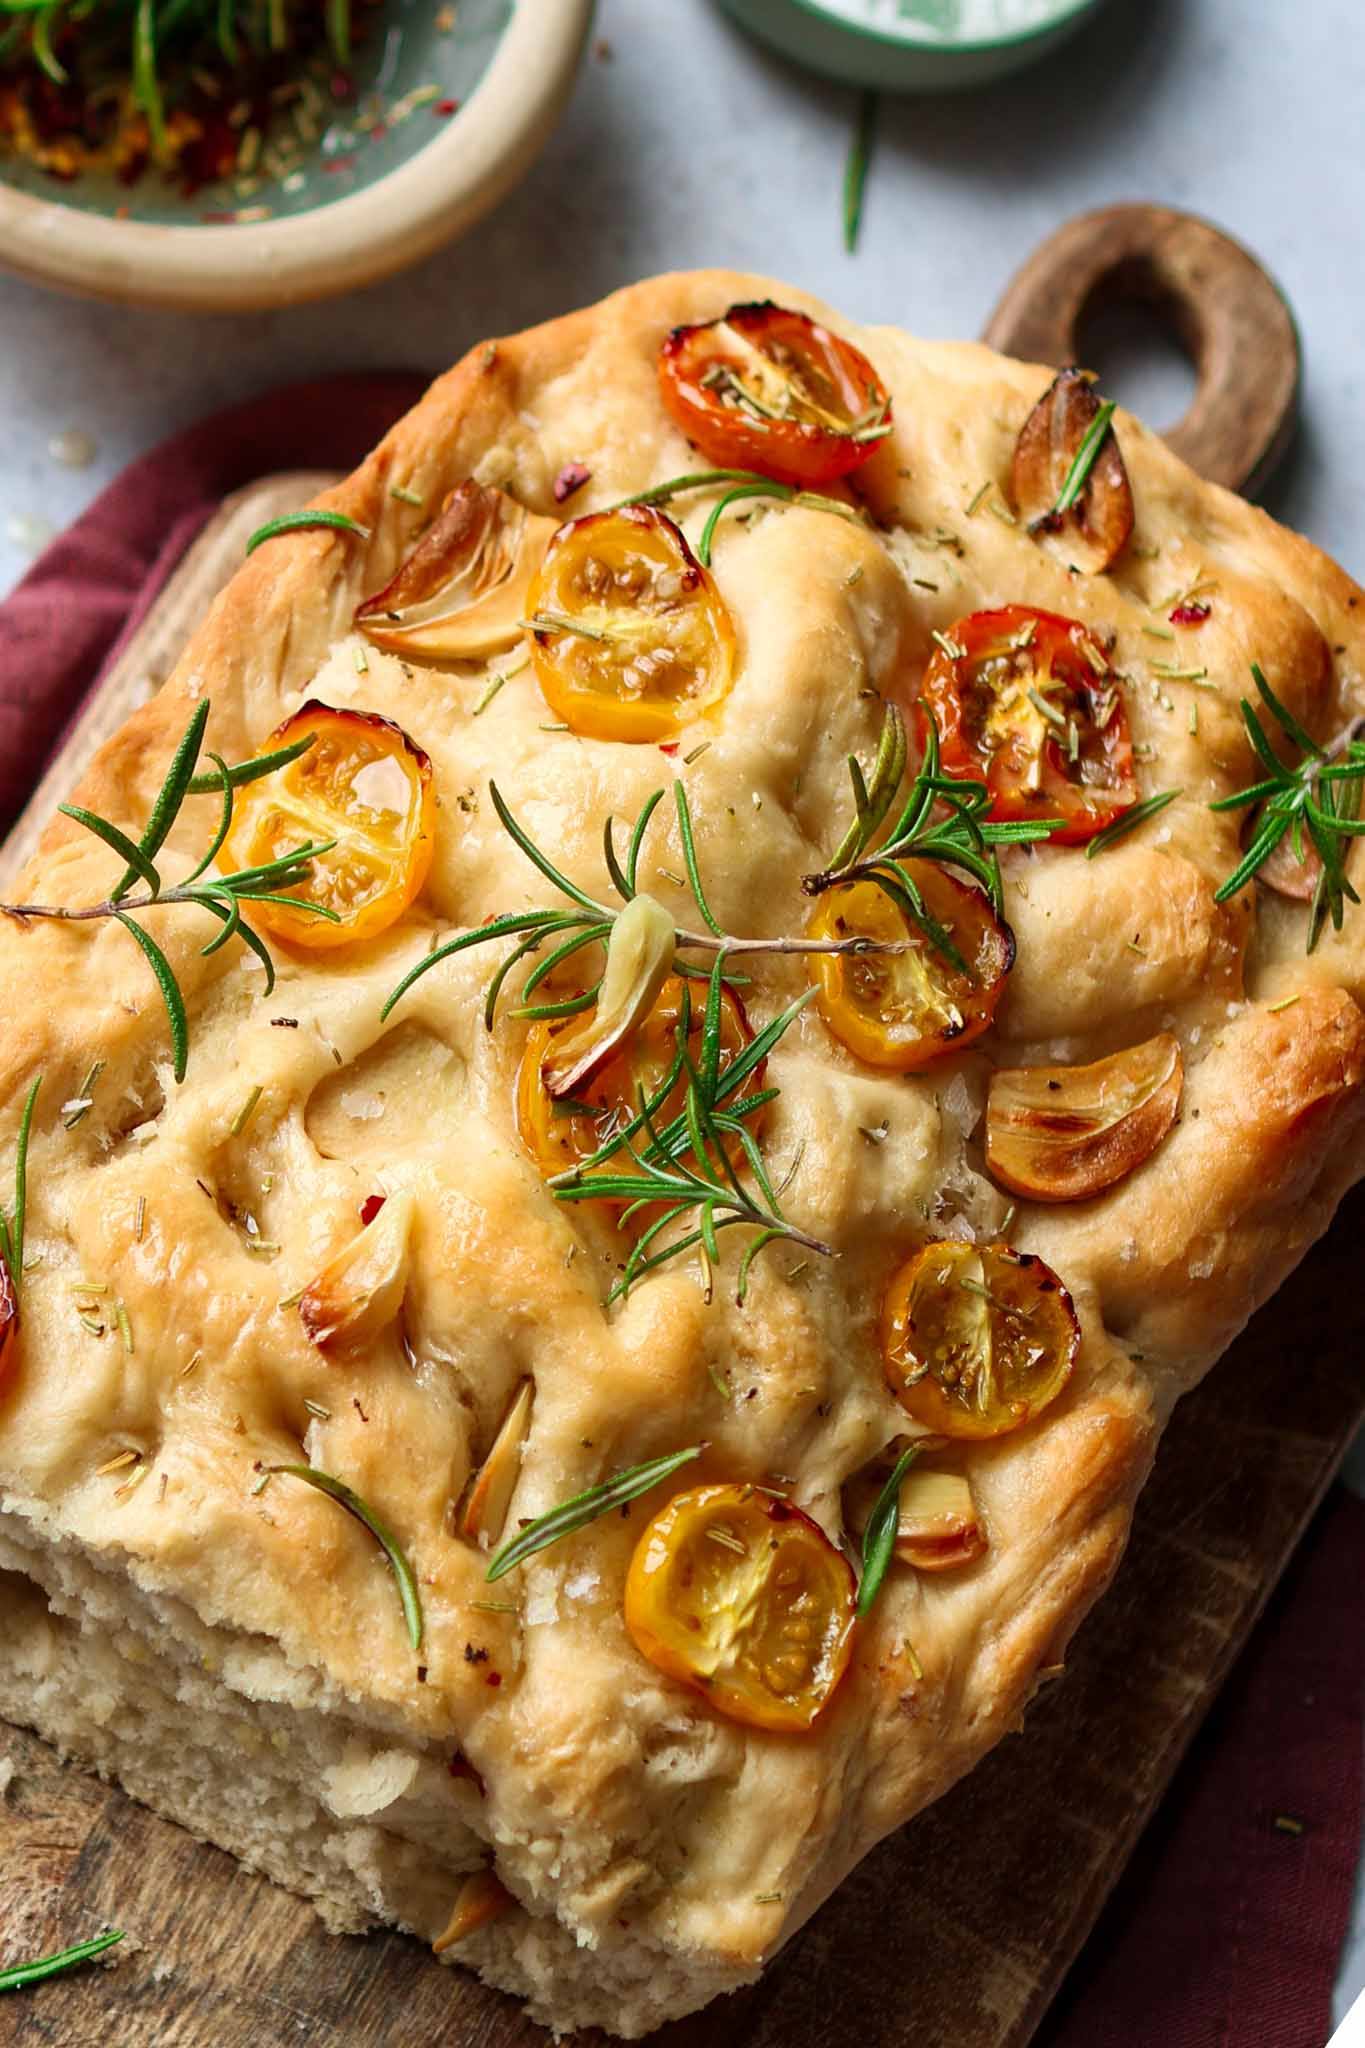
(90, 589)
(1226, 1930)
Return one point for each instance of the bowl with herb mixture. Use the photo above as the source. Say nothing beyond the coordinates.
(226, 154)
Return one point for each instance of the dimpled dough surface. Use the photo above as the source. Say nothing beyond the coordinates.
(238, 1658)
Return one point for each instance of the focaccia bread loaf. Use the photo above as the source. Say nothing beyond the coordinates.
(225, 1639)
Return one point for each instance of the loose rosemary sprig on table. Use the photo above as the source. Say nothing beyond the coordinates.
(942, 818)
(1317, 795)
(223, 896)
(21, 1974)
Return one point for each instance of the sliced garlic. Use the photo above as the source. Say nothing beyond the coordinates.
(481, 1898)
(461, 594)
(939, 1526)
(1061, 1134)
(639, 959)
(485, 1511)
(361, 1289)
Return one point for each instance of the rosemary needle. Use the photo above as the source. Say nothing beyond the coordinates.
(346, 1497)
(583, 1508)
(856, 168)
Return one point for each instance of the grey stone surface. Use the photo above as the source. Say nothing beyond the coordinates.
(687, 145)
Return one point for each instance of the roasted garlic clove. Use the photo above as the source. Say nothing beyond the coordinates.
(1285, 874)
(359, 1291)
(481, 1898)
(9, 1324)
(1094, 531)
(939, 1527)
(461, 594)
(639, 959)
(485, 1510)
(1061, 1134)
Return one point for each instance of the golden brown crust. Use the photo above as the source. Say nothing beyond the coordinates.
(617, 1803)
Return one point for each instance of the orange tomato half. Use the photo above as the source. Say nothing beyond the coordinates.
(743, 1597)
(770, 390)
(1026, 701)
(977, 1339)
(561, 1135)
(631, 639)
(363, 784)
(902, 1010)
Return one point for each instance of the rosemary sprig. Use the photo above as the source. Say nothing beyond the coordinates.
(1315, 798)
(346, 1497)
(12, 1226)
(591, 919)
(300, 522)
(879, 1537)
(745, 483)
(21, 1974)
(856, 168)
(1129, 821)
(685, 1169)
(222, 896)
(1086, 456)
(941, 818)
(587, 1507)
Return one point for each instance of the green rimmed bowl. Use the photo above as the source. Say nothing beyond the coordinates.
(913, 45)
(362, 203)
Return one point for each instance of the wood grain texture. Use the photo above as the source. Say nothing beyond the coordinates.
(1225, 308)
(219, 1959)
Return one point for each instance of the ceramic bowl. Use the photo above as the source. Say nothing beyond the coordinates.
(365, 201)
(913, 45)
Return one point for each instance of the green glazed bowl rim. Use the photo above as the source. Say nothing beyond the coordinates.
(830, 17)
(394, 221)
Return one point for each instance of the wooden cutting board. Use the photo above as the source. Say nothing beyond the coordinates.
(217, 1959)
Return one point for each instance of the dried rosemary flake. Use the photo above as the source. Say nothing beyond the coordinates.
(767, 1898)
(195, 1359)
(245, 1113)
(1285, 1003)
(949, 647)
(134, 1479)
(406, 496)
(140, 1218)
(1288, 1824)
(1177, 675)
(982, 494)
(118, 1463)
(923, 583)
(90, 1323)
(727, 1539)
(1158, 632)
(92, 1287)
(261, 1484)
(1002, 512)
(361, 660)
(1094, 657)
(718, 1380)
(1046, 710)
(696, 753)
(125, 1328)
(316, 1408)
(916, 1668)
(265, 1245)
(876, 1134)
(82, 1101)
(494, 1606)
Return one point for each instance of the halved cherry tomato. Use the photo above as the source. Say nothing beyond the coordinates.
(743, 1597)
(362, 783)
(1028, 703)
(977, 1339)
(561, 1135)
(770, 390)
(632, 639)
(9, 1325)
(904, 1009)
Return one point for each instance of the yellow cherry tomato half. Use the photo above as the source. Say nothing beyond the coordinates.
(977, 1338)
(743, 1597)
(363, 784)
(903, 1009)
(631, 639)
(561, 1135)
